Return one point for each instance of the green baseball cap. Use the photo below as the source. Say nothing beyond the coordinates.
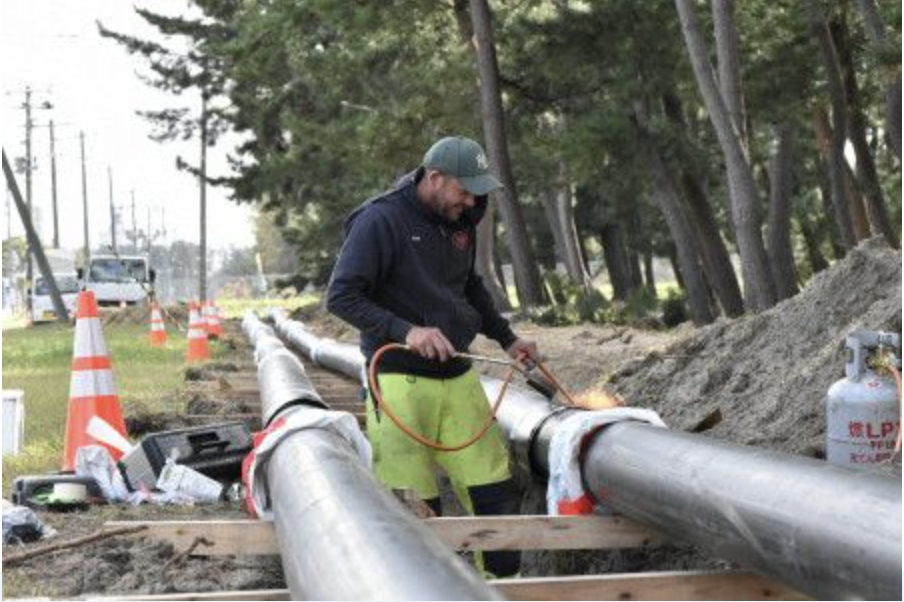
(465, 160)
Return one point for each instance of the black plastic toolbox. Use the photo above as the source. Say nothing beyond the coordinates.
(215, 450)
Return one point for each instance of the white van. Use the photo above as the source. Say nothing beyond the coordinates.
(116, 279)
(42, 309)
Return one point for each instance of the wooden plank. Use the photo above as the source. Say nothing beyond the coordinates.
(228, 537)
(252, 537)
(223, 417)
(671, 585)
(542, 532)
(677, 585)
(259, 594)
(237, 394)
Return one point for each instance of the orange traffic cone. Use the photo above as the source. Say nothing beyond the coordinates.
(92, 391)
(214, 329)
(157, 337)
(198, 349)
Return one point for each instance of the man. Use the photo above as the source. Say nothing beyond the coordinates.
(406, 274)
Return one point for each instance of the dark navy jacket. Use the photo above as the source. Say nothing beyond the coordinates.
(402, 265)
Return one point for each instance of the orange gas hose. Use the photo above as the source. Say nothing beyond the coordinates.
(380, 404)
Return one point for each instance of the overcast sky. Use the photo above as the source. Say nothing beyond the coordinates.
(53, 46)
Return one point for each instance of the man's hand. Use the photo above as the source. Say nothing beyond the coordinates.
(522, 348)
(430, 343)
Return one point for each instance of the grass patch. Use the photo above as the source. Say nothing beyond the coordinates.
(37, 360)
(236, 308)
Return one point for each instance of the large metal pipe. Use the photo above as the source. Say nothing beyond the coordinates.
(341, 535)
(828, 531)
(339, 357)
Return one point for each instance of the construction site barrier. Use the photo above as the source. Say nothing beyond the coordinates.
(828, 531)
(341, 535)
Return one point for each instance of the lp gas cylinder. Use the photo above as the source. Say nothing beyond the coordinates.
(862, 408)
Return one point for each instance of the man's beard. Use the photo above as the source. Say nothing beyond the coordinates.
(436, 205)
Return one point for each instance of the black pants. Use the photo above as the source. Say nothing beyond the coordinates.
(492, 500)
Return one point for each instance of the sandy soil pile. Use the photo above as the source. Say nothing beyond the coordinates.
(324, 323)
(767, 375)
(140, 313)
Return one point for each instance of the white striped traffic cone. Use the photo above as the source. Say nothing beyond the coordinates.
(157, 336)
(214, 328)
(92, 391)
(198, 348)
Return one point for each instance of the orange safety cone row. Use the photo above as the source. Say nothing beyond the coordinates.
(214, 328)
(198, 348)
(92, 392)
(157, 336)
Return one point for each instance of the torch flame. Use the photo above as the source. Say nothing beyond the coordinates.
(598, 399)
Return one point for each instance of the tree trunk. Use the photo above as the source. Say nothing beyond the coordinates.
(649, 275)
(729, 65)
(808, 231)
(855, 210)
(716, 260)
(549, 202)
(867, 175)
(483, 264)
(500, 271)
(636, 269)
(828, 210)
(615, 255)
(875, 30)
(676, 269)
(486, 263)
(527, 275)
(571, 247)
(778, 242)
(745, 203)
(859, 218)
(666, 196)
(840, 201)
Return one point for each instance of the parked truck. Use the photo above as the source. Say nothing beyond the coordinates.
(118, 278)
(41, 305)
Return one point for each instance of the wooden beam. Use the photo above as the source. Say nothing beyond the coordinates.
(542, 532)
(228, 537)
(671, 585)
(257, 538)
(676, 585)
(258, 594)
(212, 418)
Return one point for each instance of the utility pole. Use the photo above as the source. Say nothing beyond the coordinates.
(112, 210)
(34, 244)
(202, 293)
(29, 268)
(134, 235)
(9, 216)
(53, 188)
(148, 237)
(81, 137)
(163, 225)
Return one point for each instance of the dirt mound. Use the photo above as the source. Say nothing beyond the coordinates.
(133, 314)
(767, 374)
(324, 323)
(140, 566)
(144, 422)
(208, 371)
